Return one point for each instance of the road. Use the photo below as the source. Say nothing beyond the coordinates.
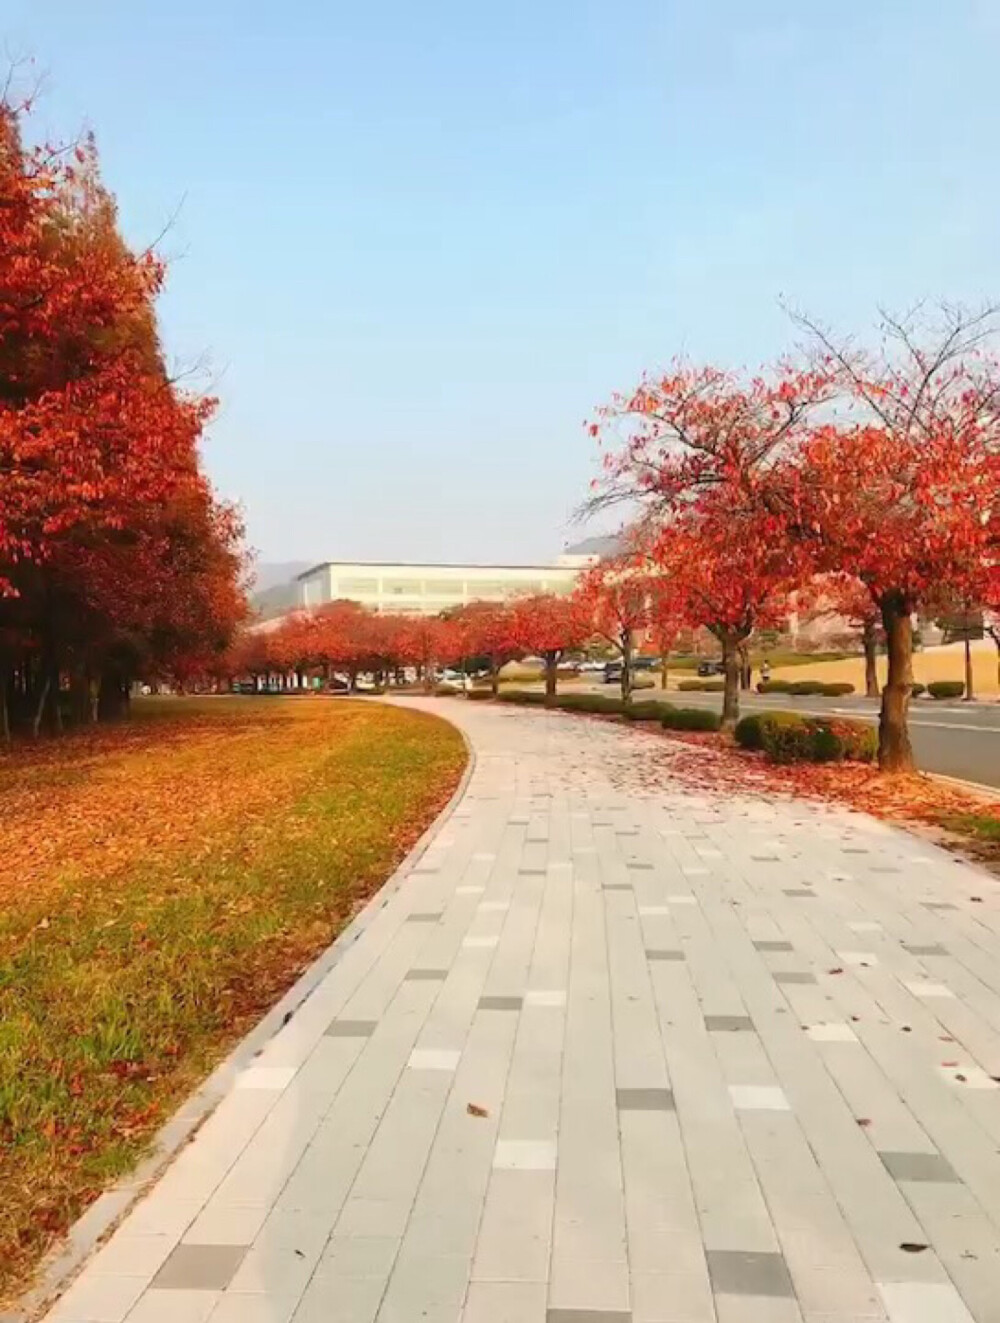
(956, 739)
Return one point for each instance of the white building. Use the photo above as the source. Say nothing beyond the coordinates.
(410, 589)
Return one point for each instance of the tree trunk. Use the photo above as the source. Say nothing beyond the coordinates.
(895, 753)
(4, 711)
(731, 692)
(551, 676)
(869, 643)
(494, 677)
(626, 647)
(112, 696)
(664, 668)
(969, 686)
(36, 725)
(994, 633)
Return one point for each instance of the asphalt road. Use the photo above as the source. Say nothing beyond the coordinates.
(953, 738)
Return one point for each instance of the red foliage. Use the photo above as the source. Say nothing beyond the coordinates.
(115, 558)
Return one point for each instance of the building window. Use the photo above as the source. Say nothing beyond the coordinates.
(357, 587)
(402, 587)
(444, 587)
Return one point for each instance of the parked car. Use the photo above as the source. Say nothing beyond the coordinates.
(645, 663)
(711, 668)
(591, 667)
(612, 672)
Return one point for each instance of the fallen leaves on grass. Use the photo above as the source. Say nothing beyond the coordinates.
(162, 885)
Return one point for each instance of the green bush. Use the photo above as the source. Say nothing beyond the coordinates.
(714, 686)
(691, 686)
(445, 690)
(640, 680)
(526, 697)
(749, 731)
(786, 737)
(600, 703)
(946, 689)
(774, 687)
(649, 709)
(837, 689)
(691, 718)
(479, 695)
(917, 689)
(806, 687)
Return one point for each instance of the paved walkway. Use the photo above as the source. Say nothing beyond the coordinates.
(615, 1051)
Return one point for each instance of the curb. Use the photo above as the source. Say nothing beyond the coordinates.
(62, 1264)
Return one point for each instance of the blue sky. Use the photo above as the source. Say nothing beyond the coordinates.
(417, 243)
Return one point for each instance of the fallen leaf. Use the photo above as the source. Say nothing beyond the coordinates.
(474, 1109)
(912, 1247)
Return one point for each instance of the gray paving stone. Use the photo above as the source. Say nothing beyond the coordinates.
(793, 976)
(728, 1024)
(500, 1003)
(588, 1316)
(200, 1268)
(425, 916)
(645, 1100)
(427, 975)
(352, 1028)
(774, 946)
(800, 893)
(661, 954)
(741, 1272)
(918, 1167)
(933, 949)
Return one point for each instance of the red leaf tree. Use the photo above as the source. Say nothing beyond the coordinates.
(902, 492)
(548, 626)
(615, 597)
(702, 453)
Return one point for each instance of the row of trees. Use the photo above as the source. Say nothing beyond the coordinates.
(874, 473)
(116, 559)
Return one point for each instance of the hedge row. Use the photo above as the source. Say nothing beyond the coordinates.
(946, 689)
(787, 737)
(702, 686)
(817, 688)
(650, 709)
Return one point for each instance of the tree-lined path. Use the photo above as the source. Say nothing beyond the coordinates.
(615, 1049)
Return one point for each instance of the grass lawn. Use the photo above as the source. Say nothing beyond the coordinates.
(162, 884)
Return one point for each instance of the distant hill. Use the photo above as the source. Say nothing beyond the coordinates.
(274, 589)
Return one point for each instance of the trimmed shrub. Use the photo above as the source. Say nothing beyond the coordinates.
(479, 695)
(649, 709)
(786, 737)
(445, 690)
(837, 689)
(714, 686)
(774, 687)
(917, 689)
(691, 718)
(600, 703)
(526, 697)
(749, 731)
(946, 689)
(691, 686)
(806, 687)
(641, 680)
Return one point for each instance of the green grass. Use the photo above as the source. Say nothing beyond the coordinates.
(984, 827)
(127, 968)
